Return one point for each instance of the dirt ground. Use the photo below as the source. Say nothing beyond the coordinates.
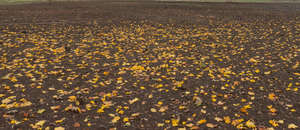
(149, 65)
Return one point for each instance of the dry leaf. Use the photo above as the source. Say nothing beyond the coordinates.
(133, 100)
(175, 122)
(227, 119)
(292, 126)
(40, 111)
(272, 96)
(201, 121)
(76, 124)
(250, 124)
(273, 123)
(59, 128)
(115, 119)
(163, 109)
(218, 119)
(198, 101)
(210, 125)
(153, 110)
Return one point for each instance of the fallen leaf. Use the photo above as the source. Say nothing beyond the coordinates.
(272, 96)
(125, 119)
(59, 128)
(218, 119)
(210, 125)
(201, 121)
(182, 128)
(39, 124)
(76, 124)
(55, 107)
(60, 121)
(72, 98)
(40, 111)
(175, 122)
(250, 124)
(227, 119)
(163, 109)
(198, 101)
(153, 110)
(133, 100)
(115, 119)
(273, 123)
(292, 126)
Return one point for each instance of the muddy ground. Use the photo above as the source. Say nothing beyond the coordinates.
(149, 65)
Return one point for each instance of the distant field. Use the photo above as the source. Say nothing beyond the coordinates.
(5, 2)
(254, 1)
(19, 1)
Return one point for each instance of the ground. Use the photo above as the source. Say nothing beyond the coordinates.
(149, 65)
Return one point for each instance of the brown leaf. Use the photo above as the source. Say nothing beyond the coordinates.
(210, 125)
(76, 124)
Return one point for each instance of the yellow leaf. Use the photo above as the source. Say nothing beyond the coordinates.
(6, 101)
(283, 58)
(89, 124)
(273, 110)
(175, 122)
(13, 79)
(133, 100)
(38, 124)
(135, 114)
(41, 111)
(60, 121)
(13, 121)
(218, 119)
(296, 65)
(253, 60)
(115, 119)
(295, 89)
(182, 128)
(292, 126)
(105, 73)
(252, 80)
(272, 96)
(153, 110)
(273, 123)
(240, 126)
(25, 103)
(257, 71)
(137, 67)
(280, 121)
(201, 121)
(163, 109)
(244, 109)
(125, 119)
(160, 103)
(227, 119)
(236, 122)
(298, 74)
(59, 128)
(250, 124)
(182, 107)
(121, 112)
(160, 124)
